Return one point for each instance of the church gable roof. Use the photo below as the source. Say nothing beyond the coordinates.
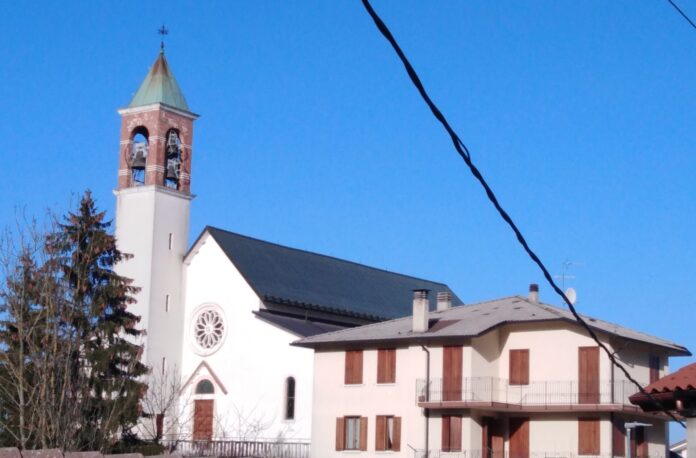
(281, 274)
(160, 86)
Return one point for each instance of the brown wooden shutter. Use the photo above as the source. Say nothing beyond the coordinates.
(452, 373)
(618, 437)
(340, 433)
(588, 436)
(363, 433)
(588, 375)
(380, 433)
(354, 369)
(519, 367)
(456, 434)
(386, 366)
(519, 437)
(396, 439)
(497, 429)
(485, 435)
(445, 433)
(654, 368)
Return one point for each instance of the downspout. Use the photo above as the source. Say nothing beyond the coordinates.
(426, 411)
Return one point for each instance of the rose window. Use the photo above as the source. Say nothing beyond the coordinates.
(208, 329)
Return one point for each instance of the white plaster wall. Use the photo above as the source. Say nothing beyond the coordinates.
(553, 356)
(333, 399)
(255, 358)
(145, 216)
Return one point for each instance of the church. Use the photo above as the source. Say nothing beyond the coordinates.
(221, 313)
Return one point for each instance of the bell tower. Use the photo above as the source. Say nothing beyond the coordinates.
(153, 200)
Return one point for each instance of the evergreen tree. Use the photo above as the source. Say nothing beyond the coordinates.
(70, 370)
(87, 253)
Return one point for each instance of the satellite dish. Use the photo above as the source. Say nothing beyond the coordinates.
(571, 295)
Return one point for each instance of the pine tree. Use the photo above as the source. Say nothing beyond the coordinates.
(70, 370)
(99, 297)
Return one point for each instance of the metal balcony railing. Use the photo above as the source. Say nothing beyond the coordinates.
(531, 454)
(536, 393)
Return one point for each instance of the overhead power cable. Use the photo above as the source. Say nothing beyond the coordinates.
(683, 14)
(466, 155)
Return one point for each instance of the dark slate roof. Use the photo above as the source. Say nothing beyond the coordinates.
(474, 320)
(299, 277)
(300, 326)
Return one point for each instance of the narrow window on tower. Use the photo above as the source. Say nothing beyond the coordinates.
(166, 303)
(171, 241)
(164, 364)
(172, 156)
(137, 156)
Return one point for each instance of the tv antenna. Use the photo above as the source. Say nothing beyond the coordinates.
(570, 293)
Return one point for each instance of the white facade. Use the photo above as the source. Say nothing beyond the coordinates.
(549, 400)
(253, 359)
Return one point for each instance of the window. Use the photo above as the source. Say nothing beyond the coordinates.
(354, 366)
(654, 364)
(519, 367)
(166, 302)
(205, 387)
(451, 433)
(171, 241)
(388, 433)
(164, 364)
(290, 398)
(386, 366)
(588, 436)
(351, 433)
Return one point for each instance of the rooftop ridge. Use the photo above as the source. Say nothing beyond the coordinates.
(335, 258)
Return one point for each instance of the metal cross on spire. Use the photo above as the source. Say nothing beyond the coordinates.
(162, 31)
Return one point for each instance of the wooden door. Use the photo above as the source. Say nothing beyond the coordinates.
(452, 374)
(497, 431)
(493, 440)
(641, 445)
(519, 437)
(588, 375)
(203, 420)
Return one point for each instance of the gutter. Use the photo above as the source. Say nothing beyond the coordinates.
(426, 411)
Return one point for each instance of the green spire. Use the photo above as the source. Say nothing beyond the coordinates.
(160, 86)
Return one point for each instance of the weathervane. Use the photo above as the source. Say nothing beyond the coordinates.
(162, 31)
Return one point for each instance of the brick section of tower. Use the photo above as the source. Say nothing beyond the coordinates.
(158, 119)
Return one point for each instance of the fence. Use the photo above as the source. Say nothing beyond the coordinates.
(241, 448)
(494, 389)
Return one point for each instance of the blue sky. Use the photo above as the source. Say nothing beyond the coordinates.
(580, 114)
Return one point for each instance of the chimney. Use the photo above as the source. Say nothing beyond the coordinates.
(444, 300)
(533, 293)
(421, 307)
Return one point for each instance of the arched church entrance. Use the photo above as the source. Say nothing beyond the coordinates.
(203, 411)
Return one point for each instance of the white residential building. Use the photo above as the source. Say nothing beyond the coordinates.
(509, 377)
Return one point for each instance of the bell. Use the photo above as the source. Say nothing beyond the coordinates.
(139, 155)
(173, 166)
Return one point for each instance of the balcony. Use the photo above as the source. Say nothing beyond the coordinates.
(531, 454)
(497, 394)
